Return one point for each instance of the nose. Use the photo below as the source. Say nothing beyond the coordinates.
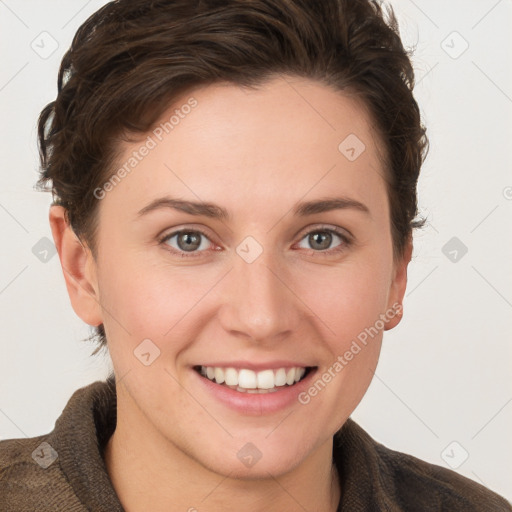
(259, 303)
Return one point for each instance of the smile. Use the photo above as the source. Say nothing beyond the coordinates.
(248, 381)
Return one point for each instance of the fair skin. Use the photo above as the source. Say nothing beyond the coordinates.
(257, 154)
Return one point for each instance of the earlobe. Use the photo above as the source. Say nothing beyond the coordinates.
(398, 286)
(78, 268)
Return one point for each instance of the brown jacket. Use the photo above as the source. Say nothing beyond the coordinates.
(64, 471)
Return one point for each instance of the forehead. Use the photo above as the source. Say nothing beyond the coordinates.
(285, 114)
(288, 137)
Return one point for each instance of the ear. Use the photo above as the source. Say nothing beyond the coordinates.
(78, 267)
(398, 286)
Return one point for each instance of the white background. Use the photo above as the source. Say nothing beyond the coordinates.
(445, 371)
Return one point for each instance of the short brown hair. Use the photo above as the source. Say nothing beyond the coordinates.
(132, 57)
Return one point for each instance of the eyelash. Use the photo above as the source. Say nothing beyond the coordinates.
(346, 242)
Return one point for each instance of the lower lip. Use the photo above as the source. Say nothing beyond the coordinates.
(256, 404)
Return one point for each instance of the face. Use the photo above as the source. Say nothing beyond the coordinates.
(263, 279)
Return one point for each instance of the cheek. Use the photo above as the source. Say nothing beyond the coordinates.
(138, 301)
(143, 299)
(346, 299)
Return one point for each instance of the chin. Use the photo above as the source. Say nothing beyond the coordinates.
(257, 459)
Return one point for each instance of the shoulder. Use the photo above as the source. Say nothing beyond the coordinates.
(63, 471)
(399, 481)
(419, 481)
(31, 478)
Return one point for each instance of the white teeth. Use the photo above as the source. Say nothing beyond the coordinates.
(231, 377)
(219, 375)
(251, 381)
(266, 379)
(246, 379)
(280, 377)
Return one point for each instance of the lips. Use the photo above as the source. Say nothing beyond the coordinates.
(252, 401)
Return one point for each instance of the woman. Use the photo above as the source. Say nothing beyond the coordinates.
(235, 195)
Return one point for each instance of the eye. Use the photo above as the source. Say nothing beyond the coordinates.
(186, 242)
(320, 240)
(192, 242)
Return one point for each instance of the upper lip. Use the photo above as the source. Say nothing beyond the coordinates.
(250, 365)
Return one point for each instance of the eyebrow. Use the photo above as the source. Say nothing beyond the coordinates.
(215, 211)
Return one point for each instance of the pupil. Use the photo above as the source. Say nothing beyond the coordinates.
(323, 236)
(189, 242)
